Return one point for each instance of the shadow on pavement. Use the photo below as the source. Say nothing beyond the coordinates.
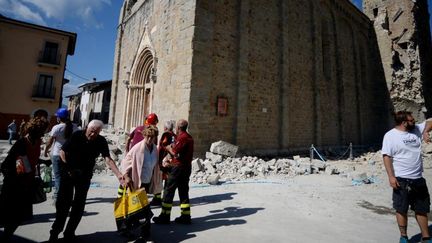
(49, 217)
(16, 239)
(105, 236)
(212, 199)
(109, 200)
(218, 218)
(418, 237)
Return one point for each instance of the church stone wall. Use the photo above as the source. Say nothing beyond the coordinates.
(166, 29)
(294, 73)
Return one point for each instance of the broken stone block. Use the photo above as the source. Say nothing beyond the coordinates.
(331, 170)
(224, 148)
(245, 170)
(216, 158)
(213, 179)
(304, 169)
(197, 165)
(271, 162)
(427, 148)
(208, 167)
(318, 164)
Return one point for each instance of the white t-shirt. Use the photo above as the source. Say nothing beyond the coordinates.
(150, 159)
(405, 150)
(57, 132)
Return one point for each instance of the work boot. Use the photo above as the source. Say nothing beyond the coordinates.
(69, 237)
(184, 219)
(53, 237)
(156, 202)
(162, 219)
(145, 230)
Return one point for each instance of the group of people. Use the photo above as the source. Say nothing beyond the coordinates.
(73, 154)
(148, 163)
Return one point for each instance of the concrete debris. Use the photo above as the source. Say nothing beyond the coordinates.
(218, 168)
(224, 148)
(213, 179)
(214, 157)
(427, 148)
(197, 165)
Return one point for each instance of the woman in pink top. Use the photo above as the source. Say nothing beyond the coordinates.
(141, 171)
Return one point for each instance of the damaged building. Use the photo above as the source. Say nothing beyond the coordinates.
(403, 33)
(272, 76)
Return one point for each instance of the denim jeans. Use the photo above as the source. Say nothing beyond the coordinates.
(11, 136)
(56, 169)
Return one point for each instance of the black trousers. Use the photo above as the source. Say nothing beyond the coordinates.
(72, 195)
(178, 177)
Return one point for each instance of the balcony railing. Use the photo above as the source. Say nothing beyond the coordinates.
(49, 59)
(43, 92)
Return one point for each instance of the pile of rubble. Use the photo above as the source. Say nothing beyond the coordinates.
(221, 164)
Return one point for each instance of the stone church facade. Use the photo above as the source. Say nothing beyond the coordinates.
(272, 77)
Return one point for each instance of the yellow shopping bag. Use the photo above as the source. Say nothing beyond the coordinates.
(132, 206)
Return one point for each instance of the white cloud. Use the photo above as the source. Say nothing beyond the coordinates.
(59, 10)
(20, 11)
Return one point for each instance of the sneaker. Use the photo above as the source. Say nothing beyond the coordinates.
(161, 219)
(184, 219)
(403, 240)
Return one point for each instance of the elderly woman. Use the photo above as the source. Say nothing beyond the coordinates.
(19, 170)
(141, 170)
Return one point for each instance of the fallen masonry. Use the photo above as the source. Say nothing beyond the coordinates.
(217, 168)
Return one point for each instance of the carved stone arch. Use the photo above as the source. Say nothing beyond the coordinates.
(141, 84)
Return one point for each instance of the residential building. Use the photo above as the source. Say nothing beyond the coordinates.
(32, 65)
(73, 106)
(95, 101)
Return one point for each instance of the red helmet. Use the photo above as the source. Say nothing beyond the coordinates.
(151, 119)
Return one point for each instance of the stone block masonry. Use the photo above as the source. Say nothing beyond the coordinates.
(270, 77)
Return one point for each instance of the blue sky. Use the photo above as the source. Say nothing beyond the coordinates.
(95, 22)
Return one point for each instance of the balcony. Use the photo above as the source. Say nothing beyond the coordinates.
(40, 92)
(46, 59)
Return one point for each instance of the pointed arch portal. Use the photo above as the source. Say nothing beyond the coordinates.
(140, 91)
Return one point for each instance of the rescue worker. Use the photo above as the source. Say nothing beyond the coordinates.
(167, 138)
(178, 176)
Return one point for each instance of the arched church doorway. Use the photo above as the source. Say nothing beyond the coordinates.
(140, 91)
